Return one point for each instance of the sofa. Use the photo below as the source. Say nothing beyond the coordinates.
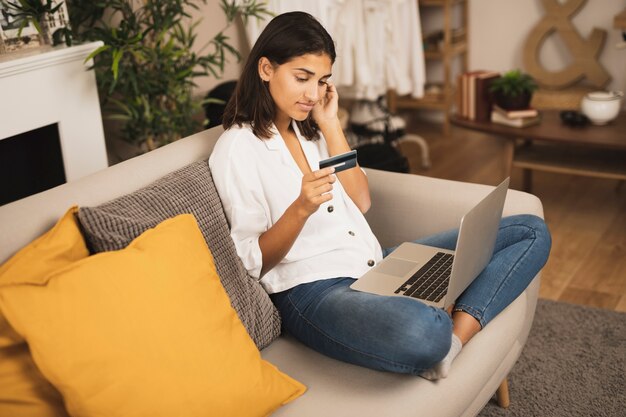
(403, 207)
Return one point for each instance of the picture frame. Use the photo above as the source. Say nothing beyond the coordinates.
(10, 26)
(11, 39)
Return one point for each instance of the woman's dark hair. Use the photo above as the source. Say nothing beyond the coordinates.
(287, 36)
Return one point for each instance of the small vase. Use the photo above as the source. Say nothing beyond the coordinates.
(519, 102)
(602, 106)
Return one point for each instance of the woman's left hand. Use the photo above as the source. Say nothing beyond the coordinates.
(326, 109)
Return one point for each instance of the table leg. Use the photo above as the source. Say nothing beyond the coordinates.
(509, 152)
(527, 184)
(527, 174)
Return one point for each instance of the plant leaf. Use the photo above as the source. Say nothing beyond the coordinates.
(96, 52)
(117, 56)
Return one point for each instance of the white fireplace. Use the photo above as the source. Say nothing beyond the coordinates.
(53, 86)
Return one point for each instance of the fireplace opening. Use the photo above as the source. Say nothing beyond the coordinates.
(30, 162)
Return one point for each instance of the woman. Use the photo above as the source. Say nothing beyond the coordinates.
(303, 233)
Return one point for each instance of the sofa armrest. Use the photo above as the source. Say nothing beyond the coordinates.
(406, 207)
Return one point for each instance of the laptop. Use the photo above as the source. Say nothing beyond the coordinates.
(438, 276)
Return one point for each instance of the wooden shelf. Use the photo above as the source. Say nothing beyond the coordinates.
(454, 50)
(440, 3)
(600, 163)
(434, 101)
(448, 51)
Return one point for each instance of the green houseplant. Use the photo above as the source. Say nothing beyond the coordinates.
(513, 90)
(147, 65)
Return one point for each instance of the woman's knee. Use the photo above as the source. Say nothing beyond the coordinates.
(539, 228)
(536, 227)
(427, 341)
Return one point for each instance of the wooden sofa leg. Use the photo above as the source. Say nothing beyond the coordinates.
(502, 394)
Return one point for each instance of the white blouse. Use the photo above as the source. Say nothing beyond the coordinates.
(257, 180)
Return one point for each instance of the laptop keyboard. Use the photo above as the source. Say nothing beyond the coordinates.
(431, 281)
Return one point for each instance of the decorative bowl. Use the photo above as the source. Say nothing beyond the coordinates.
(601, 106)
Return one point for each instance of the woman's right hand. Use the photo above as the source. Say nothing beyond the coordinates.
(315, 191)
(276, 242)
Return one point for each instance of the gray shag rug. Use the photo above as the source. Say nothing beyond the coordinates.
(572, 365)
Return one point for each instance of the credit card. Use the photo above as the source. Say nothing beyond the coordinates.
(340, 162)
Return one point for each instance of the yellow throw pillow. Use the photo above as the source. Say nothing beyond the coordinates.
(60, 246)
(146, 331)
(24, 391)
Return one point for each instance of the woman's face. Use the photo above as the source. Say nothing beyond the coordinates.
(297, 85)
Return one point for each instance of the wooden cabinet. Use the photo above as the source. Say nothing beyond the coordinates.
(451, 45)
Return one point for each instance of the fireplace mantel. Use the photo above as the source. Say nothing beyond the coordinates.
(44, 86)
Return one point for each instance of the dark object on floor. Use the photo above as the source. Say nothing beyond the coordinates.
(378, 132)
(573, 118)
(215, 111)
(572, 365)
(372, 119)
(382, 156)
(379, 127)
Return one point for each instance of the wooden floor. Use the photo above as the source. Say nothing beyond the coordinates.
(587, 216)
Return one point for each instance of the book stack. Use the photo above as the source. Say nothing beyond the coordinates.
(474, 101)
(515, 118)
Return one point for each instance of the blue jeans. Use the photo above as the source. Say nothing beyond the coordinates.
(400, 334)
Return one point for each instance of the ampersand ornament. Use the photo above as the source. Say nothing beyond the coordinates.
(584, 52)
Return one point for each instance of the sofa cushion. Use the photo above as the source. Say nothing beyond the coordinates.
(151, 324)
(113, 225)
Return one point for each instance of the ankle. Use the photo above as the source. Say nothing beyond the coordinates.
(442, 369)
(465, 326)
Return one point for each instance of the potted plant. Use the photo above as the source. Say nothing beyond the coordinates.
(147, 66)
(513, 90)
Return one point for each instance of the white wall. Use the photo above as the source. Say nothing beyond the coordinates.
(213, 20)
(499, 29)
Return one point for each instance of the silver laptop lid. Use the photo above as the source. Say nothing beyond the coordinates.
(480, 224)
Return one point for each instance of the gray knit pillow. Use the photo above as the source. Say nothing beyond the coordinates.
(113, 225)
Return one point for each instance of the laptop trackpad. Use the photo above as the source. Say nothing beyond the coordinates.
(395, 267)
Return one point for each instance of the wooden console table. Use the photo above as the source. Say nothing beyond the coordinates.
(594, 151)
